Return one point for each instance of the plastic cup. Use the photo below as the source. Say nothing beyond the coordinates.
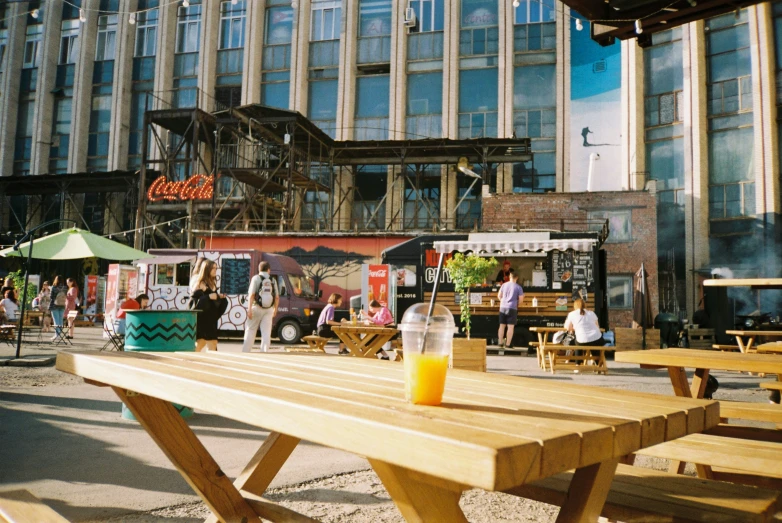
(426, 352)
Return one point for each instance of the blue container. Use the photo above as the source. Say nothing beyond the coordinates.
(160, 331)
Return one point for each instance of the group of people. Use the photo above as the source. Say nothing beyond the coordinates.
(378, 315)
(55, 301)
(582, 322)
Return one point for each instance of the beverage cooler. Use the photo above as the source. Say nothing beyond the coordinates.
(378, 282)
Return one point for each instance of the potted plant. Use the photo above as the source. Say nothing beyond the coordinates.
(467, 271)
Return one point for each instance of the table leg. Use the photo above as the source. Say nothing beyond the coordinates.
(542, 350)
(682, 388)
(264, 465)
(588, 492)
(182, 447)
(741, 345)
(418, 500)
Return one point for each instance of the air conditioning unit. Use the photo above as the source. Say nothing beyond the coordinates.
(410, 20)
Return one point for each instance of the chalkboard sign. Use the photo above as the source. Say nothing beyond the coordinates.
(561, 266)
(235, 277)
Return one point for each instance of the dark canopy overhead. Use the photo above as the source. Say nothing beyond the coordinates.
(616, 18)
(432, 151)
(94, 182)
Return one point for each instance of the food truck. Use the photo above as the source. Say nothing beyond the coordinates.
(166, 279)
(553, 267)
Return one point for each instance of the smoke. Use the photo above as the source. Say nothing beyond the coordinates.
(722, 272)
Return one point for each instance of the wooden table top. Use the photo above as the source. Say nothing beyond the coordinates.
(492, 431)
(363, 329)
(546, 329)
(754, 333)
(704, 359)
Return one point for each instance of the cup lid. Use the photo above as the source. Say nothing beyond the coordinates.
(414, 318)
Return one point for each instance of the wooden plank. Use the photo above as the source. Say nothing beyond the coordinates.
(416, 500)
(708, 359)
(640, 495)
(759, 283)
(771, 413)
(587, 493)
(167, 428)
(772, 385)
(20, 506)
(276, 512)
(745, 432)
(758, 457)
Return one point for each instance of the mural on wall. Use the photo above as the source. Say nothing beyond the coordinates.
(332, 263)
(595, 112)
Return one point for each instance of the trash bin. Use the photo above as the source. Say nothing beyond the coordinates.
(669, 326)
(160, 331)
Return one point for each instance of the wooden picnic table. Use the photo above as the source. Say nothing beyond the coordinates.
(493, 431)
(752, 335)
(364, 340)
(543, 337)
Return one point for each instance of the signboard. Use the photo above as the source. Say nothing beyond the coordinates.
(91, 294)
(377, 285)
(197, 187)
(235, 277)
(112, 282)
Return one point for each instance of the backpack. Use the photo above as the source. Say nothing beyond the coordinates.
(60, 298)
(265, 295)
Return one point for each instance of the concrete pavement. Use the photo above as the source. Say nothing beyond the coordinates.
(67, 443)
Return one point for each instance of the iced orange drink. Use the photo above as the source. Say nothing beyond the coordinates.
(425, 378)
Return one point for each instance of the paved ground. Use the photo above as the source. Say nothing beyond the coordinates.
(66, 442)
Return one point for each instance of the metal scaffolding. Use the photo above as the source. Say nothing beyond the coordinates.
(274, 171)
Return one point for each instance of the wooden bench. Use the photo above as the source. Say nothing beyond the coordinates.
(641, 495)
(701, 338)
(774, 347)
(772, 385)
(770, 413)
(593, 359)
(752, 462)
(717, 346)
(22, 507)
(314, 344)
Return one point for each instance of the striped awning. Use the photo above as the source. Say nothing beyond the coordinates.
(509, 247)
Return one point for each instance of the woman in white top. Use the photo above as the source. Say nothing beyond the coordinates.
(10, 305)
(585, 324)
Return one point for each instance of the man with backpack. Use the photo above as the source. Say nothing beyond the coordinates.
(263, 297)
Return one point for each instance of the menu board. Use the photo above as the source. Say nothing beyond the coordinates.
(235, 277)
(561, 266)
(582, 269)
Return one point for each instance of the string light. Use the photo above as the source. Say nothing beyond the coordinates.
(234, 2)
(35, 13)
(638, 28)
(132, 19)
(136, 231)
(185, 3)
(579, 25)
(516, 3)
(82, 16)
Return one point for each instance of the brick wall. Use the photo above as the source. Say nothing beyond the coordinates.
(568, 211)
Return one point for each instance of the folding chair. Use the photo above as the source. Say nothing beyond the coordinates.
(61, 331)
(116, 341)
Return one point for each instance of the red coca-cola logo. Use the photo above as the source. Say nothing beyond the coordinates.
(381, 273)
(197, 187)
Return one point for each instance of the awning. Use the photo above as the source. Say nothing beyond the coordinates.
(515, 243)
(166, 260)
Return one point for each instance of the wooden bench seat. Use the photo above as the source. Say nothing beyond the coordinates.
(724, 347)
(641, 495)
(22, 507)
(745, 410)
(593, 359)
(774, 347)
(314, 344)
(772, 385)
(731, 459)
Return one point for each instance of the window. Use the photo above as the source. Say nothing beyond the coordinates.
(279, 25)
(32, 52)
(534, 11)
(424, 105)
(69, 42)
(281, 286)
(323, 100)
(619, 224)
(275, 89)
(374, 17)
(429, 15)
(146, 33)
(2, 56)
(300, 285)
(478, 90)
(326, 20)
(371, 122)
(188, 28)
(479, 13)
(107, 35)
(620, 292)
(370, 185)
(232, 20)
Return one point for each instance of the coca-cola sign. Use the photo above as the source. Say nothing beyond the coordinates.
(197, 187)
(380, 273)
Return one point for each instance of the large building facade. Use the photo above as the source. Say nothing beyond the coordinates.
(695, 112)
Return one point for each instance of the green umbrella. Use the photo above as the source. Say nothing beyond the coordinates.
(72, 244)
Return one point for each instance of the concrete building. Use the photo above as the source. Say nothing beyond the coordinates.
(695, 112)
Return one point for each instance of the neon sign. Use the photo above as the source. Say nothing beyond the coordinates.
(197, 187)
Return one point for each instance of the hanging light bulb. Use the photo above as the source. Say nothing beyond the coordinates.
(579, 25)
(132, 19)
(638, 28)
(234, 2)
(35, 13)
(185, 3)
(516, 3)
(82, 16)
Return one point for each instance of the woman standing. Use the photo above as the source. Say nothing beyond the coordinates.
(209, 304)
(585, 324)
(59, 298)
(71, 304)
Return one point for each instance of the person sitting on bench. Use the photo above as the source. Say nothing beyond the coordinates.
(381, 316)
(585, 325)
(140, 302)
(326, 320)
